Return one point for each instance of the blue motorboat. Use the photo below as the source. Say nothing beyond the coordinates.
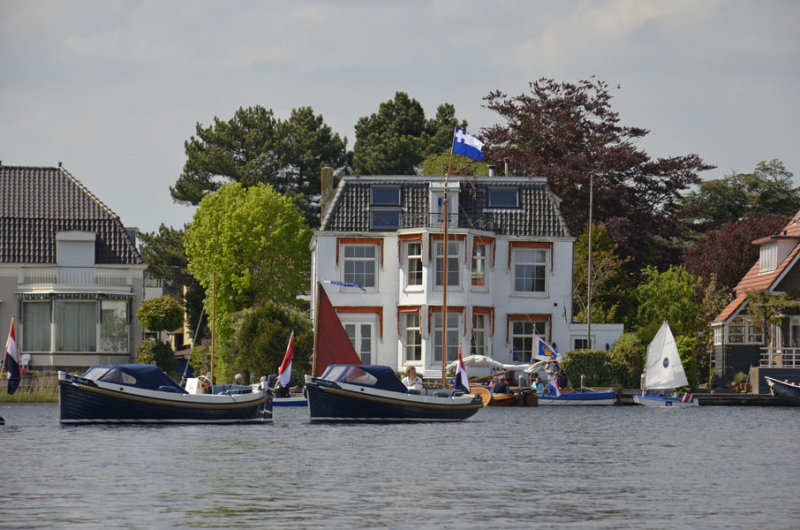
(142, 393)
(583, 397)
(373, 393)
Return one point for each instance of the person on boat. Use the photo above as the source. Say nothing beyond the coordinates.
(237, 379)
(537, 385)
(412, 380)
(500, 386)
(280, 390)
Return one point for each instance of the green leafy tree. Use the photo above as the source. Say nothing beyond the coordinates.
(608, 276)
(438, 164)
(255, 241)
(629, 354)
(673, 296)
(767, 191)
(569, 131)
(715, 299)
(260, 336)
(396, 139)
(163, 313)
(253, 148)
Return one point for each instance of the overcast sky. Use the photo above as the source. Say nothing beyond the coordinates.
(113, 88)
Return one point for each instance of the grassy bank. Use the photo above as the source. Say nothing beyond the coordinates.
(35, 387)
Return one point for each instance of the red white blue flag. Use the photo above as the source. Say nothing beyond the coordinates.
(552, 385)
(11, 360)
(285, 371)
(462, 381)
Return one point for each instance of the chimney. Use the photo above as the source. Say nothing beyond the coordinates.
(491, 170)
(326, 194)
(505, 164)
(59, 164)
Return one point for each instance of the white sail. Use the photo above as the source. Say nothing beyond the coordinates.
(663, 368)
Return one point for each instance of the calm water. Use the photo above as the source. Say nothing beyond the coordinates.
(605, 467)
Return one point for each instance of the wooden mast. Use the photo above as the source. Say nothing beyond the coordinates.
(213, 320)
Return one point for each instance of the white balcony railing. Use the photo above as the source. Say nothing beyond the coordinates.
(780, 358)
(99, 276)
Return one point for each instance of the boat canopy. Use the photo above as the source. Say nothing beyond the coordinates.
(377, 376)
(147, 376)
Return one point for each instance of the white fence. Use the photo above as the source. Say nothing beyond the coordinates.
(780, 358)
(100, 276)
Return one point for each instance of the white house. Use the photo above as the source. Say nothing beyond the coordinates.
(509, 269)
(70, 272)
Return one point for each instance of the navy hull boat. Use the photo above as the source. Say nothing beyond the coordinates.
(142, 393)
(371, 393)
(789, 392)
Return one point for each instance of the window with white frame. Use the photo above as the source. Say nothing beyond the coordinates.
(362, 337)
(743, 331)
(480, 264)
(522, 337)
(719, 333)
(453, 261)
(76, 325)
(412, 336)
(114, 326)
(530, 270)
(360, 264)
(36, 326)
(480, 334)
(413, 263)
(453, 335)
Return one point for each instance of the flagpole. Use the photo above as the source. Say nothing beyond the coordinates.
(213, 320)
(450, 160)
(444, 284)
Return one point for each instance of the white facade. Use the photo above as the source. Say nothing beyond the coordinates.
(502, 289)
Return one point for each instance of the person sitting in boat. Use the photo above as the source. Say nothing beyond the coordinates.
(537, 385)
(412, 381)
(500, 386)
(237, 379)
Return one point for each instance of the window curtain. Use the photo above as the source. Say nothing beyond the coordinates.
(76, 326)
(35, 326)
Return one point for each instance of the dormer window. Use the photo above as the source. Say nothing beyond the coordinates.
(768, 257)
(385, 196)
(384, 208)
(503, 198)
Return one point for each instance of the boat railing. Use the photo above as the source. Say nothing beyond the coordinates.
(780, 357)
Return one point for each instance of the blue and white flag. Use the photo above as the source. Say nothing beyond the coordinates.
(467, 145)
(462, 381)
(543, 351)
(345, 284)
(552, 385)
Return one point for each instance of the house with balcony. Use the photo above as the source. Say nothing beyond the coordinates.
(740, 344)
(70, 272)
(508, 275)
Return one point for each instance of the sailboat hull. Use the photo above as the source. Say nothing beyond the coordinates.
(660, 401)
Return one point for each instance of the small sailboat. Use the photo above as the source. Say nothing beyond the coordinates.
(664, 372)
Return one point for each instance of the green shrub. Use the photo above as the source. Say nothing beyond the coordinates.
(156, 352)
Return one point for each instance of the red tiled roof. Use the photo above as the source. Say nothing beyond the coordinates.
(759, 281)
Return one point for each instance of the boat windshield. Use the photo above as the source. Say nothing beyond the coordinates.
(350, 374)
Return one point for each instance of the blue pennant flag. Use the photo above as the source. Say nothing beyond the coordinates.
(467, 145)
(345, 284)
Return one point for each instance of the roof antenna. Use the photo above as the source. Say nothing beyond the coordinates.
(59, 164)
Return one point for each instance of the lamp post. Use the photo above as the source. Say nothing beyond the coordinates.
(589, 267)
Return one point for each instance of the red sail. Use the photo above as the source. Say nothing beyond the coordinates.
(333, 344)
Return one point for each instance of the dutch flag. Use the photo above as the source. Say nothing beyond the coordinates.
(467, 145)
(461, 382)
(285, 371)
(11, 360)
(552, 385)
